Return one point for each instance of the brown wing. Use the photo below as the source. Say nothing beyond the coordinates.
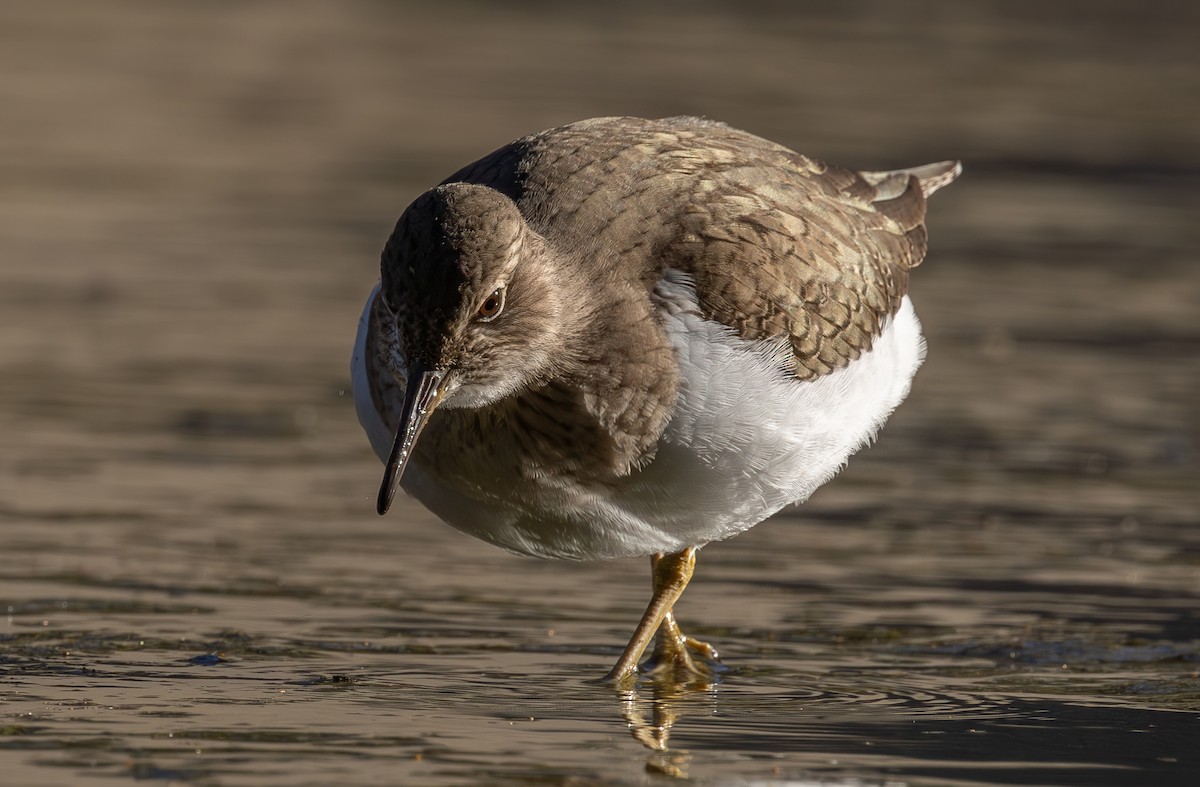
(820, 255)
(779, 246)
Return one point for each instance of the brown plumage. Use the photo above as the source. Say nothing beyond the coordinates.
(779, 245)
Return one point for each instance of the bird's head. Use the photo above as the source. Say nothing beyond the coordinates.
(472, 312)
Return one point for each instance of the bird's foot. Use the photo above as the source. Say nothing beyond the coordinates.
(680, 659)
(686, 662)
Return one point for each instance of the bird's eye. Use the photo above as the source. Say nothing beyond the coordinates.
(492, 305)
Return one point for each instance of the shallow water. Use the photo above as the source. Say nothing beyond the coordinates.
(935, 653)
(1003, 591)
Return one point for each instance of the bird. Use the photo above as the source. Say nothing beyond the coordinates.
(628, 337)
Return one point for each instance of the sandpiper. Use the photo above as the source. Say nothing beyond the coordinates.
(628, 337)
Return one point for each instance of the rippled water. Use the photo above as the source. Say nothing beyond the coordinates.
(1003, 591)
(296, 652)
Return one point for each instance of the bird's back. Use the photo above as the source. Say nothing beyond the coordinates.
(779, 245)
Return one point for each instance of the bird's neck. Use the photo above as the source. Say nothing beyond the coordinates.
(596, 417)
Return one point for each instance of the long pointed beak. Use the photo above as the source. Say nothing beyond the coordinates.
(423, 393)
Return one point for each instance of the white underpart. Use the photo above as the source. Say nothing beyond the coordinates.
(746, 439)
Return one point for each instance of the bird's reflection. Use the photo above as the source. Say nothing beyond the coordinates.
(651, 707)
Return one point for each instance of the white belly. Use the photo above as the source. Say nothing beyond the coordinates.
(745, 441)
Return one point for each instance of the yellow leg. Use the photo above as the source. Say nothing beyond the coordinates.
(671, 575)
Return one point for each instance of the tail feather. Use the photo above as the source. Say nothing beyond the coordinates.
(891, 184)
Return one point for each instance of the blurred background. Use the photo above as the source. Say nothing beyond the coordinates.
(193, 197)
